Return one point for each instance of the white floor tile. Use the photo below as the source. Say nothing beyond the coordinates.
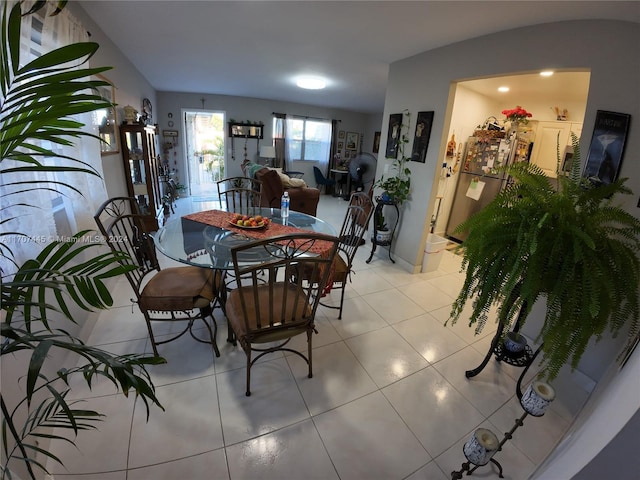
(191, 419)
(104, 449)
(386, 356)
(338, 378)
(275, 401)
(371, 431)
(205, 466)
(433, 409)
(394, 306)
(433, 341)
(292, 452)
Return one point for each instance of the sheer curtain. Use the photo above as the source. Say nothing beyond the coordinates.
(57, 214)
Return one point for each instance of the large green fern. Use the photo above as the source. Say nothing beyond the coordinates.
(563, 240)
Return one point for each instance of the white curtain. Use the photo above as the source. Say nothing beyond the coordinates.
(57, 215)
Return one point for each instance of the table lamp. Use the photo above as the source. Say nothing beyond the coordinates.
(268, 152)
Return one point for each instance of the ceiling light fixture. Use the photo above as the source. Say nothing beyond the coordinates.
(503, 89)
(311, 83)
(546, 73)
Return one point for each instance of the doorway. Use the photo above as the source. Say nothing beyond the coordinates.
(204, 151)
(557, 102)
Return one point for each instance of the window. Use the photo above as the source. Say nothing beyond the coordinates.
(308, 139)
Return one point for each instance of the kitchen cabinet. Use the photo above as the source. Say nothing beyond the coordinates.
(548, 136)
(142, 173)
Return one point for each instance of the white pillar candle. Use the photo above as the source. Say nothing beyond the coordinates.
(537, 398)
(481, 446)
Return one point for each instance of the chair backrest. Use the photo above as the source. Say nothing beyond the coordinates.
(241, 194)
(320, 178)
(273, 292)
(355, 224)
(122, 227)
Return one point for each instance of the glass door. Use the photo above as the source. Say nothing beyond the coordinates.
(205, 151)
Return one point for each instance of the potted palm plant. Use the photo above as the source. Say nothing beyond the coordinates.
(37, 104)
(562, 240)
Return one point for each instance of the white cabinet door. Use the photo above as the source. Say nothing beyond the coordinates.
(550, 135)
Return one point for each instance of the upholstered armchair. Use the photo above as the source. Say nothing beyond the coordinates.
(302, 199)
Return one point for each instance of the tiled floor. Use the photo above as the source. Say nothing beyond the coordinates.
(388, 400)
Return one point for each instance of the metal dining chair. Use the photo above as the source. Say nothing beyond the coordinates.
(354, 227)
(178, 294)
(240, 194)
(272, 302)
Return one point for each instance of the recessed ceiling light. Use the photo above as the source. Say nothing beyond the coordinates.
(546, 73)
(503, 89)
(311, 83)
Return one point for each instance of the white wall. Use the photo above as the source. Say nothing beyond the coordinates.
(469, 110)
(575, 45)
(246, 108)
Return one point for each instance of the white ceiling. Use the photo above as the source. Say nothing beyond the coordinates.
(255, 48)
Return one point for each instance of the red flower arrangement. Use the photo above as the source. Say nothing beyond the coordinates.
(517, 114)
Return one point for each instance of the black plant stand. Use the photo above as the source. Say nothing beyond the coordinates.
(525, 358)
(380, 204)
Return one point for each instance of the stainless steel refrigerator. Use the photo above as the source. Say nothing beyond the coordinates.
(478, 181)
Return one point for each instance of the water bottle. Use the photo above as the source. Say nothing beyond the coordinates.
(284, 205)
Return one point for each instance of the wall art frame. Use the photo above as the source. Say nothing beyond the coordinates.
(352, 141)
(393, 135)
(606, 149)
(376, 142)
(424, 121)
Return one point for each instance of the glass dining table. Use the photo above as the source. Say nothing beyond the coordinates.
(205, 239)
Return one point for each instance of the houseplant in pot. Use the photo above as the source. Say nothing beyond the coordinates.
(564, 241)
(397, 187)
(382, 230)
(41, 295)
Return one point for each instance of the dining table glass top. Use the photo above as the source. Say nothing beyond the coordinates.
(205, 239)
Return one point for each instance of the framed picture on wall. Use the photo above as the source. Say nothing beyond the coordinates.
(376, 142)
(393, 135)
(607, 147)
(421, 138)
(352, 140)
(341, 134)
(340, 145)
(105, 119)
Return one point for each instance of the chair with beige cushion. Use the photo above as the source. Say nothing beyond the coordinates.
(178, 294)
(354, 226)
(273, 303)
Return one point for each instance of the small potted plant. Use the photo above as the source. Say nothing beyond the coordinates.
(382, 231)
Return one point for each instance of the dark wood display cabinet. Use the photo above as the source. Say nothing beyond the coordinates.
(142, 172)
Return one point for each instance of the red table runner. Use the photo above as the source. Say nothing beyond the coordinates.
(220, 219)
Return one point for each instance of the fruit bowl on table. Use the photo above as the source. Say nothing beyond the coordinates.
(249, 222)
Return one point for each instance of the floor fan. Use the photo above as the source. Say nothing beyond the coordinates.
(362, 170)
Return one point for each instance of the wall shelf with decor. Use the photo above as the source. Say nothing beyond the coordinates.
(246, 130)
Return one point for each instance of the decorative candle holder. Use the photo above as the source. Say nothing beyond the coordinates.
(537, 398)
(481, 446)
